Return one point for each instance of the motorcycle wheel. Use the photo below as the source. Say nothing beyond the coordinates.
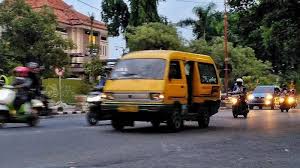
(33, 121)
(287, 110)
(245, 115)
(91, 119)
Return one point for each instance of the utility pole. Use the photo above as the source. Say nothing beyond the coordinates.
(226, 59)
(92, 18)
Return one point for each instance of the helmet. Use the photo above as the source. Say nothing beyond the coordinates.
(240, 80)
(32, 65)
(22, 71)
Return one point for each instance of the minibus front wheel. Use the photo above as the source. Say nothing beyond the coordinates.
(175, 122)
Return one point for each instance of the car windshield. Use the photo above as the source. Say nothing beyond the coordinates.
(264, 90)
(139, 69)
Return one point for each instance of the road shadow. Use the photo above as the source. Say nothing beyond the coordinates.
(165, 130)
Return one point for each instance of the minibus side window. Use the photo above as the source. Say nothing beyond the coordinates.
(175, 72)
(208, 73)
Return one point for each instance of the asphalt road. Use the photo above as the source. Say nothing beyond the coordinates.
(266, 139)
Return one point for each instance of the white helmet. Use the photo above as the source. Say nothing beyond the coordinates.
(240, 80)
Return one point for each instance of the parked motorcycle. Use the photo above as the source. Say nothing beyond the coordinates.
(26, 113)
(239, 106)
(95, 113)
(287, 102)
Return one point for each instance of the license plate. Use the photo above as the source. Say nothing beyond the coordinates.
(128, 109)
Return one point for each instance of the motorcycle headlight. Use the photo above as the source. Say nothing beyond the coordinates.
(107, 96)
(291, 100)
(234, 100)
(281, 100)
(157, 96)
(250, 97)
(93, 99)
(269, 97)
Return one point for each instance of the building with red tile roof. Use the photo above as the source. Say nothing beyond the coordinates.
(76, 26)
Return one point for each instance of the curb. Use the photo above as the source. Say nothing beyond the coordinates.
(69, 112)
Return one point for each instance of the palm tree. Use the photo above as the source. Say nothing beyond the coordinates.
(204, 26)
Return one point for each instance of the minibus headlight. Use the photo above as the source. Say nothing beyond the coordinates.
(157, 96)
(107, 96)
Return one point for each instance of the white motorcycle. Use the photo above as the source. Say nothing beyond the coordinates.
(26, 113)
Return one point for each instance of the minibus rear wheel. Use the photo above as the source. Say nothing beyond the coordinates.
(117, 125)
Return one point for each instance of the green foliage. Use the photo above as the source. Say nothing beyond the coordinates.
(243, 61)
(271, 28)
(153, 36)
(30, 36)
(209, 22)
(94, 68)
(70, 88)
(117, 16)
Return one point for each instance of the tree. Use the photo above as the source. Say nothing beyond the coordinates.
(243, 60)
(153, 36)
(208, 24)
(31, 36)
(94, 68)
(271, 28)
(118, 15)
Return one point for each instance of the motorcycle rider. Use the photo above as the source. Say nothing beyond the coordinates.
(22, 83)
(35, 78)
(239, 88)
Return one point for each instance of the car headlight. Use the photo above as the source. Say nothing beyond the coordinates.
(268, 102)
(269, 97)
(157, 96)
(107, 96)
(93, 99)
(234, 100)
(250, 97)
(291, 100)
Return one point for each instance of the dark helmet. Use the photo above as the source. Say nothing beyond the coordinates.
(33, 66)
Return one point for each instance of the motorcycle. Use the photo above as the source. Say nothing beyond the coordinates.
(94, 114)
(239, 106)
(27, 112)
(287, 102)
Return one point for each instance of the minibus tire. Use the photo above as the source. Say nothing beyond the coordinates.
(175, 121)
(155, 124)
(204, 120)
(117, 125)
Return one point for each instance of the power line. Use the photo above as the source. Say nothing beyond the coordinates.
(197, 2)
(89, 5)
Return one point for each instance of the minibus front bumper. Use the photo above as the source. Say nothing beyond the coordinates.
(138, 112)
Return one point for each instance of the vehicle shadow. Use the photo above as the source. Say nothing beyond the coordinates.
(165, 130)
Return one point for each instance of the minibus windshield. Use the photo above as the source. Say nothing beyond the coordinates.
(139, 69)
